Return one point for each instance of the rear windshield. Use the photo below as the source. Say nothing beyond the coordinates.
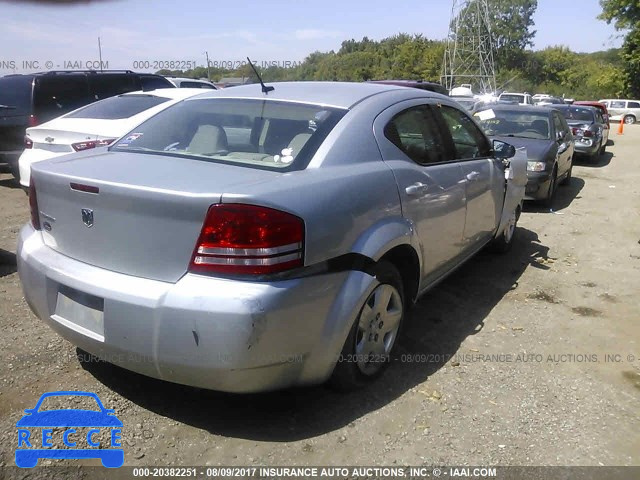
(514, 123)
(257, 133)
(151, 82)
(577, 114)
(15, 95)
(507, 97)
(188, 84)
(122, 106)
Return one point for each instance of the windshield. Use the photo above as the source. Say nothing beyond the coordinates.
(514, 123)
(122, 106)
(258, 133)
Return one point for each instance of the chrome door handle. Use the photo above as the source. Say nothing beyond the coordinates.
(417, 189)
(473, 176)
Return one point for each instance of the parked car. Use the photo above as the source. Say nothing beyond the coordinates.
(600, 106)
(589, 129)
(549, 101)
(96, 125)
(180, 82)
(627, 111)
(421, 84)
(246, 241)
(547, 138)
(520, 98)
(27, 100)
(467, 102)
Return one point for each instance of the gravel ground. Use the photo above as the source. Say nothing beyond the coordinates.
(504, 363)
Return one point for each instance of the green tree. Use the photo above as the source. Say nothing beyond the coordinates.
(625, 15)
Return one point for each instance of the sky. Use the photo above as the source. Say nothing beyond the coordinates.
(139, 34)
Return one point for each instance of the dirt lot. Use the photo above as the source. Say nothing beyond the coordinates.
(505, 363)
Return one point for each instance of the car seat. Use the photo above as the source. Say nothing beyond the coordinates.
(208, 139)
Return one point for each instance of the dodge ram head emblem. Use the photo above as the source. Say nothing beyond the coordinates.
(87, 217)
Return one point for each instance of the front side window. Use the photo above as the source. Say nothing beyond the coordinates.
(259, 133)
(468, 140)
(633, 105)
(557, 122)
(415, 132)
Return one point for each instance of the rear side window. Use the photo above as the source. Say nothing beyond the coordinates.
(415, 132)
(196, 85)
(108, 85)
(15, 95)
(56, 95)
(122, 106)
(151, 82)
(617, 104)
(468, 140)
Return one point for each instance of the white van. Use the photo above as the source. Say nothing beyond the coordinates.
(627, 111)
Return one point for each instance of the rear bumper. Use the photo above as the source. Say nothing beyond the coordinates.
(207, 332)
(589, 147)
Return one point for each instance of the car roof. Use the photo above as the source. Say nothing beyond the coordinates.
(173, 93)
(335, 94)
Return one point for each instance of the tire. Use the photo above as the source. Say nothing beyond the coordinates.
(629, 119)
(553, 189)
(504, 242)
(369, 347)
(567, 180)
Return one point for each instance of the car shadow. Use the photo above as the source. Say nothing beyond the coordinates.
(8, 263)
(603, 161)
(564, 197)
(10, 182)
(433, 332)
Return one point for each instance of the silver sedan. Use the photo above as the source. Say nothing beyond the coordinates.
(246, 240)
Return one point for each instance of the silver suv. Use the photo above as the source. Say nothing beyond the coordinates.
(627, 111)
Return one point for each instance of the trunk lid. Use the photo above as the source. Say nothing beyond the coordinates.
(147, 216)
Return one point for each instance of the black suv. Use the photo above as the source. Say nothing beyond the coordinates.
(27, 100)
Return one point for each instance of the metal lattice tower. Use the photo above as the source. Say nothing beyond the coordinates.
(468, 58)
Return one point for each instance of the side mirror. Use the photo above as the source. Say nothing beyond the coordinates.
(503, 150)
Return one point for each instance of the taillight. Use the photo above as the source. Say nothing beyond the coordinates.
(33, 120)
(587, 133)
(249, 240)
(28, 143)
(33, 205)
(80, 146)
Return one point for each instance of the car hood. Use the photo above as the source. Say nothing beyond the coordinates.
(69, 418)
(537, 150)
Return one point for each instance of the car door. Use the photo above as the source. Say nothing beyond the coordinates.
(483, 176)
(602, 125)
(430, 184)
(564, 138)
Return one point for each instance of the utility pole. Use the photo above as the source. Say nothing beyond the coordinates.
(100, 53)
(208, 74)
(468, 58)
